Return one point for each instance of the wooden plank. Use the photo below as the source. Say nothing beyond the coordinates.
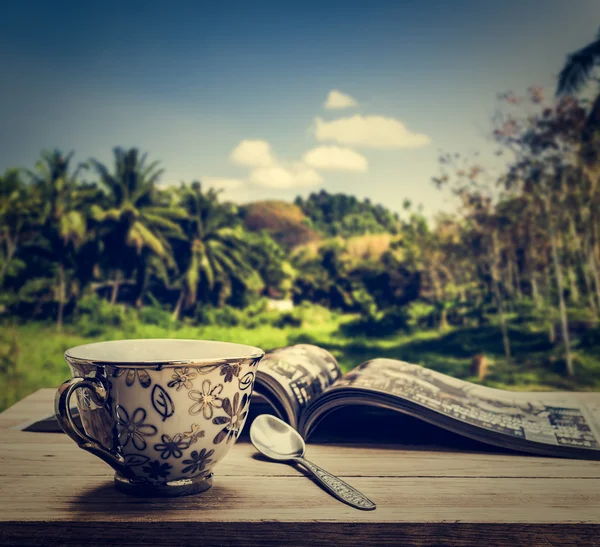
(32, 407)
(50, 454)
(348, 460)
(297, 499)
(267, 534)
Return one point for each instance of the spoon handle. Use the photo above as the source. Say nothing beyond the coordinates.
(340, 489)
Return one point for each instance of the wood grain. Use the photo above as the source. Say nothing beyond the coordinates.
(44, 454)
(265, 534)
(53, 493)
(297, 499)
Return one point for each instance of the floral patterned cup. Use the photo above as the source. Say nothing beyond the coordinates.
(162, 413)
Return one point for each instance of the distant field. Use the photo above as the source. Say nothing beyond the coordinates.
(31, 354)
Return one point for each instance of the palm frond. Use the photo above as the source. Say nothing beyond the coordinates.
(161, 222)
(108, 181)
(174, 213)
(102, 215)
(578, 68)
(140, 236)
(191, 278)
(73, 227)
(207, 271)
(152, 172)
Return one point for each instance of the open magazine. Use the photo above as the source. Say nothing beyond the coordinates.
(304, 384)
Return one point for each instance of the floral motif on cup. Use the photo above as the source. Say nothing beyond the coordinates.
(194, 434)
(157, 470)
(229, 371)
(171, 446)
(206, 400)
(135, 460)
(246, 381)
(162, 402)
(132, 374)
(198, 461)
(182, 378)
(84, 398)
(236, 413)
(133, 429)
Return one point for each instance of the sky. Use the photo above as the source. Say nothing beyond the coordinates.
(270, 100)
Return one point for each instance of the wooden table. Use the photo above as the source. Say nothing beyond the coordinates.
(53, 493)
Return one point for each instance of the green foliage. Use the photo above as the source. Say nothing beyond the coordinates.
(420, 315)
(364, 302)
(156, 314)
(212, 256)
(251, 317)
(343, 215)
(95, 317)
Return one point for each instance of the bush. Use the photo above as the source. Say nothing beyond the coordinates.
(155, 314)
(257, 315)
(287, 319)
(525, 311)
(225, 316)
(364, 303)
(420, 314)
(95, 316)
(306, 311)
(382, 323)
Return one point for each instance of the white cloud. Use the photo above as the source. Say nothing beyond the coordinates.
(253, 153)
(335, 158)
(336, 99)
(278, 176)
(369, 131)
(270, 171)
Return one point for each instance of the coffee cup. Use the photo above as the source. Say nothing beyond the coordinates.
(161, 413)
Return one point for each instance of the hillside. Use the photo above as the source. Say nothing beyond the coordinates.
(370, 247)
(285, 222)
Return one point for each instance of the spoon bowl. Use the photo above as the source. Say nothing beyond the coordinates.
(276, 439)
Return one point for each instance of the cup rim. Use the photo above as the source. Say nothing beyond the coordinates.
(87, 354)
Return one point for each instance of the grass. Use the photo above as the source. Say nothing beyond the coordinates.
(31, 353)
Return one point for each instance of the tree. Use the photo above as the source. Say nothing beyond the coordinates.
(16, 221)
(62, 223)
(578, 67)
(344, 215)
(576, 73)
(545, 170)
(483, 227)
(132, 218)
(215, 254)
(423, 250)
(270, 261)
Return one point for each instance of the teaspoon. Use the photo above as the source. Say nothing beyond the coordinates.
(279, 441)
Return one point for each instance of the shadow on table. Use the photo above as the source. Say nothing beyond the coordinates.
(106, 501)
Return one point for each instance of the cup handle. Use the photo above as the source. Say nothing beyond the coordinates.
(62, 409)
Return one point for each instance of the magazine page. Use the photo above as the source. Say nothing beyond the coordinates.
(291, 378)
(554, 419)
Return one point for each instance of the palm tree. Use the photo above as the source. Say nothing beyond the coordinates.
(216, 248)
(576, 72)
(133, 218)
(16, 216)
(578, 68)
(62, 221)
